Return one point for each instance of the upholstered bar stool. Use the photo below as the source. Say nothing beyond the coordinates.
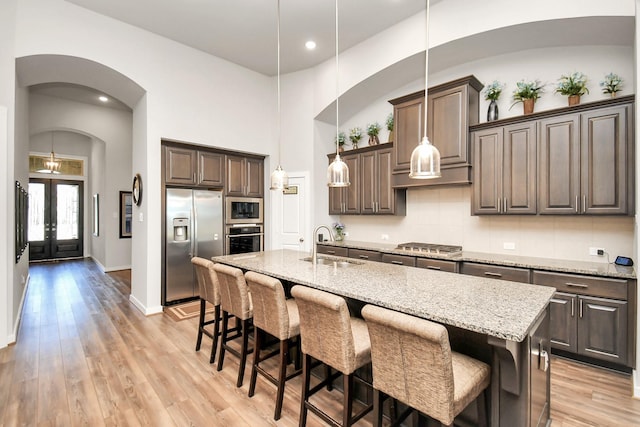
(276, 315)
(234, 300)
(413, 363)
(209, 292)
(329, 334)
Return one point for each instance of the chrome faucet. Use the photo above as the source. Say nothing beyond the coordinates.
(314, 251)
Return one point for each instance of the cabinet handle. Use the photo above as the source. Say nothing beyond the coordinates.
(505, 205)
(397, 262)
(577, 285)
(577, 205)
(581, 309)
(492, 274)
(584, 203)
(433, 267)
(499, 205)
(364, 256)
(330, 252)
(194, 177)
(573, 300)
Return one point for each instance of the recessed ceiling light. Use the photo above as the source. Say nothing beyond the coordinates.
(103, 98)
(310, 45)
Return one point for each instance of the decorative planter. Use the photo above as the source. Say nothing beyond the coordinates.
(492, 112)
(574, 100)
(374, 140)
(528, 104)
(390, 139)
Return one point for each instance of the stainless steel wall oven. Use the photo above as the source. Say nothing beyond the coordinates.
(242, 238)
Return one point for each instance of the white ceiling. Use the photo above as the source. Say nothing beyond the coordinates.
(245, 31)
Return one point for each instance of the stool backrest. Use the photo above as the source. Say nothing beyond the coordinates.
(207, 280)
(270, 312)
(234, 293)
(325, 328)
(411, 361)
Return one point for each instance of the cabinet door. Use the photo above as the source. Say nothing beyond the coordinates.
(447, 124)
(564, 327)
(437, 264)
(180, 166)
(368, 182)
(487, 172)
(604, 161)
(335, 200)
(399, 259)
(211, 169)
(254, 177)
(602, 329)
(386, 194)
(236, 176)
(559, 165)
(352, 193)
(514, 274)
(519, 169)
(408, 125)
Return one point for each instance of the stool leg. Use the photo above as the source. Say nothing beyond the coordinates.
(223, 339)
(306, 377)
(256, 359)
(327, 374)
(378, 400)
(282, 377)
(348, 400)
(243, 352)
(216, 334)
(200, 323)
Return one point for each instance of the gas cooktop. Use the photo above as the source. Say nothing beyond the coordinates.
(431, 248)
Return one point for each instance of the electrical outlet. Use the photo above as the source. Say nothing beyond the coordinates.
(346, 233)
(594, 251)
(385, 237)
(509, 245)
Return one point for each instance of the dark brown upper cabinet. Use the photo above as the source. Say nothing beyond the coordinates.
(452, 108)
(185, 166)
(245, 176)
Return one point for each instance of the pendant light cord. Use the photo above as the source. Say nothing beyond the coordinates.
(337, 87)
(279, 114)
(426, 74)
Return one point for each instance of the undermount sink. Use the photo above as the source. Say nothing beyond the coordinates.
(334, 262)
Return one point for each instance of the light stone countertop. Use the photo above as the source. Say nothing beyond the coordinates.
(602, 269)
(493, 307)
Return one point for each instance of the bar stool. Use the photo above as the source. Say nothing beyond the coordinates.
(278, 316)
(209, 292)
(413, 363)
(329, 334)
(235, 300)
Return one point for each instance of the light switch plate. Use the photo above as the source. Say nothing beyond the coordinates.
(509, 245)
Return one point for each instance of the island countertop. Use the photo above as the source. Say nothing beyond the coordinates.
(498, 308)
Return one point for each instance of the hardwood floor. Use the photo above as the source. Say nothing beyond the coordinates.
(86, 356)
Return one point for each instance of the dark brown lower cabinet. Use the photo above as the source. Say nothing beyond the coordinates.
(365, 254)
(513, 274)
(602, 329)
(564, 333)
(333, 250)
(409, 261)
(437, 264)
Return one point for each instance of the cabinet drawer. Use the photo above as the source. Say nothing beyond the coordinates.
(513, 274)
(399, 259)
(365, 254)
(437, 264)
(584, 285)
(333, 250)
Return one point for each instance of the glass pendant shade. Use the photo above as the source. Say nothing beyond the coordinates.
(425, 161)
(338, 173)
(279, 179)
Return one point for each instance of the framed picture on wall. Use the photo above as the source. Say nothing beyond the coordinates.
(126, 206)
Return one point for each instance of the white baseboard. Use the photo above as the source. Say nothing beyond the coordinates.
(99, 264)
(636, 383)
(146, 311)
(116, 268)
(12, 338)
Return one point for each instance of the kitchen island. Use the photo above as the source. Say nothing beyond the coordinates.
(503, 323)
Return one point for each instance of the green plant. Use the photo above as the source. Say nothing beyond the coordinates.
(572, 84)
(389, 122)
(355, 135)
(527, 90)
(492, 91)
(612, 83)
(341, 138)
(373, 129)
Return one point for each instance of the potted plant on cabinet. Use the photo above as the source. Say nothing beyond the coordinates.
(611, 84)
(373, 130)
(389, 124)
(573, 85)
(527, 93)
(492, 93)
(355, 135)
(341, 140)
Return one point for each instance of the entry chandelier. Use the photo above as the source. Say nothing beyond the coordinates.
(425, 158)
(279, 178)
(338, 172)
(52, 165)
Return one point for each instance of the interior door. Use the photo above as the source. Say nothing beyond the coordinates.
(291, 215)
(55, 219)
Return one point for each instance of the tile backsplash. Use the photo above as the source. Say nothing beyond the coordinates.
(443, 216)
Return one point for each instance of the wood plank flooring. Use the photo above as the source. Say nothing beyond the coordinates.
(86, 356)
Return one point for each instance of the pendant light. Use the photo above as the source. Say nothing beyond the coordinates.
(279, 178)
(338, 172)
(425, 158)
(52, 165)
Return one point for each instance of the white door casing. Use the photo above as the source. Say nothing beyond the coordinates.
(290, 213)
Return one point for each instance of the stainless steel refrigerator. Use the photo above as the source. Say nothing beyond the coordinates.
(194, 227)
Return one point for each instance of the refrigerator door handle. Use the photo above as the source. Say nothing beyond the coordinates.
(194, 228)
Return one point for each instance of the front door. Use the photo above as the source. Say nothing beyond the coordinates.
(55, 219)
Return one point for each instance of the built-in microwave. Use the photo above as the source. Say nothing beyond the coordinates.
(244, 210)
